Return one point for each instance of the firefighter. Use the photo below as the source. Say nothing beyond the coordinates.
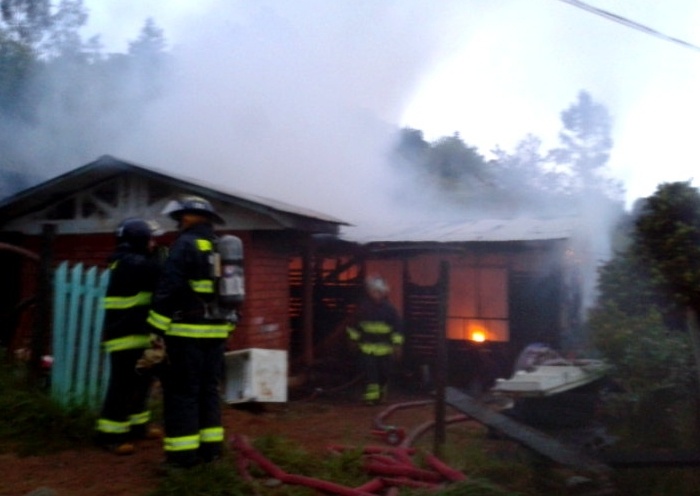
(133, 276)
(377, 330)
(194, 341)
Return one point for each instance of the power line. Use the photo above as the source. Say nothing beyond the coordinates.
(629, 23)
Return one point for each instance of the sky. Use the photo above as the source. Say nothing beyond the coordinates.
(294, 100)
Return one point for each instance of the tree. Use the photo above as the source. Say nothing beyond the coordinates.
(639, 321)
(25, 21)
(668, 233)
(55, 87)
(147, 59)
(586, 143)
(16, 66)
(456, 172)
(150, 43)
(62, 37)
(527, 181)
(38, 25)
(452, 160)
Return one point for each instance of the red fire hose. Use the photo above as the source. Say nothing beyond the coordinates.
(241, 444)
(392, 467)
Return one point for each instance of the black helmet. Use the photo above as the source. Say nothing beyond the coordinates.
(191, 204)
(136, 232)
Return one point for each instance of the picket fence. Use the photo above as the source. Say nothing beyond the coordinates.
(80, 368)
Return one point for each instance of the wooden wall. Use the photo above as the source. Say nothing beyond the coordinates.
(264, 315)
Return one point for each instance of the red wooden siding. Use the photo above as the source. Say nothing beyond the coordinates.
(265, 313)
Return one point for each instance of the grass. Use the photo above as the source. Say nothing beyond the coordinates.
(214, 479)
(31, 422)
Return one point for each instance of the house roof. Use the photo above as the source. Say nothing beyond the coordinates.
(486, 230)
(107, 167)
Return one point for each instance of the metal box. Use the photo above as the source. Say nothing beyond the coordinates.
(255, 374)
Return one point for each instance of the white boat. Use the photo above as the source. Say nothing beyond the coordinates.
(551, 378)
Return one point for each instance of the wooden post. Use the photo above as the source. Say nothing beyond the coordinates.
(694, 329)
(41, 329)
(441, 358)
(307, 284)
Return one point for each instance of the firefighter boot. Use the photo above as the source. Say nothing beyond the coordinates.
(147, 432)
(120, 449)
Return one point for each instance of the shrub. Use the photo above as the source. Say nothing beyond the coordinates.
(31, 422)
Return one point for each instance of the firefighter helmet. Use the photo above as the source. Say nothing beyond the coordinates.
(376, 283)
(136, 232)
(194, 205)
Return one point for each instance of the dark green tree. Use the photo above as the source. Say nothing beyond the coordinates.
(454, 171)
(640, 319)
(668, 235)
(455, 162)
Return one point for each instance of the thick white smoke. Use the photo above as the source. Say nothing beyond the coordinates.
(296, 101)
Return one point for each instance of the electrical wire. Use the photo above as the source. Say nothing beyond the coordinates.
(629, 23)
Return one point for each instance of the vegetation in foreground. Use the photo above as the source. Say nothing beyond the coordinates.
(31, 422)
(28, 418)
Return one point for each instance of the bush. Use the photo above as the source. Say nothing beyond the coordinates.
(654, 375)
(31, 422)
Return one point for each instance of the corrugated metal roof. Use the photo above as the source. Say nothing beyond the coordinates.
(494, 230)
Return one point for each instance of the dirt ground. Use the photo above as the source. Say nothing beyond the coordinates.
(313, 422)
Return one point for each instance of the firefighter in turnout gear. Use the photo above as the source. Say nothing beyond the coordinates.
(195, 339)
(377, 330)
(133, 277)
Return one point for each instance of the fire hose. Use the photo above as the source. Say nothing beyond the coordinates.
(392, 434)
(391, 467)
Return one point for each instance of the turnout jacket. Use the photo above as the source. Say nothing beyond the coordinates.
(186, 288)
(376, 327)
(132, 280)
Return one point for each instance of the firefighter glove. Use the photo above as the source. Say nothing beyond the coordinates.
(154, 355)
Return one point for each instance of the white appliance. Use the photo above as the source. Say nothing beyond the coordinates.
(255, 374)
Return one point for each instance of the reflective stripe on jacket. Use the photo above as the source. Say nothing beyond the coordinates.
(132, 279)
(376, 327)
(186, 287)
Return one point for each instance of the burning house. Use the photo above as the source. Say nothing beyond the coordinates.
(85, 205)
(495, 286)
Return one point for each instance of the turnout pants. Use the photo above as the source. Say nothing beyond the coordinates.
(124, 415)
(192, 400)
(377, 369)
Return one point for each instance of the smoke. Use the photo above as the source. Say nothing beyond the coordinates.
(296, 101)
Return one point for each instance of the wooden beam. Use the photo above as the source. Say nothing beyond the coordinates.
(523, 434)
